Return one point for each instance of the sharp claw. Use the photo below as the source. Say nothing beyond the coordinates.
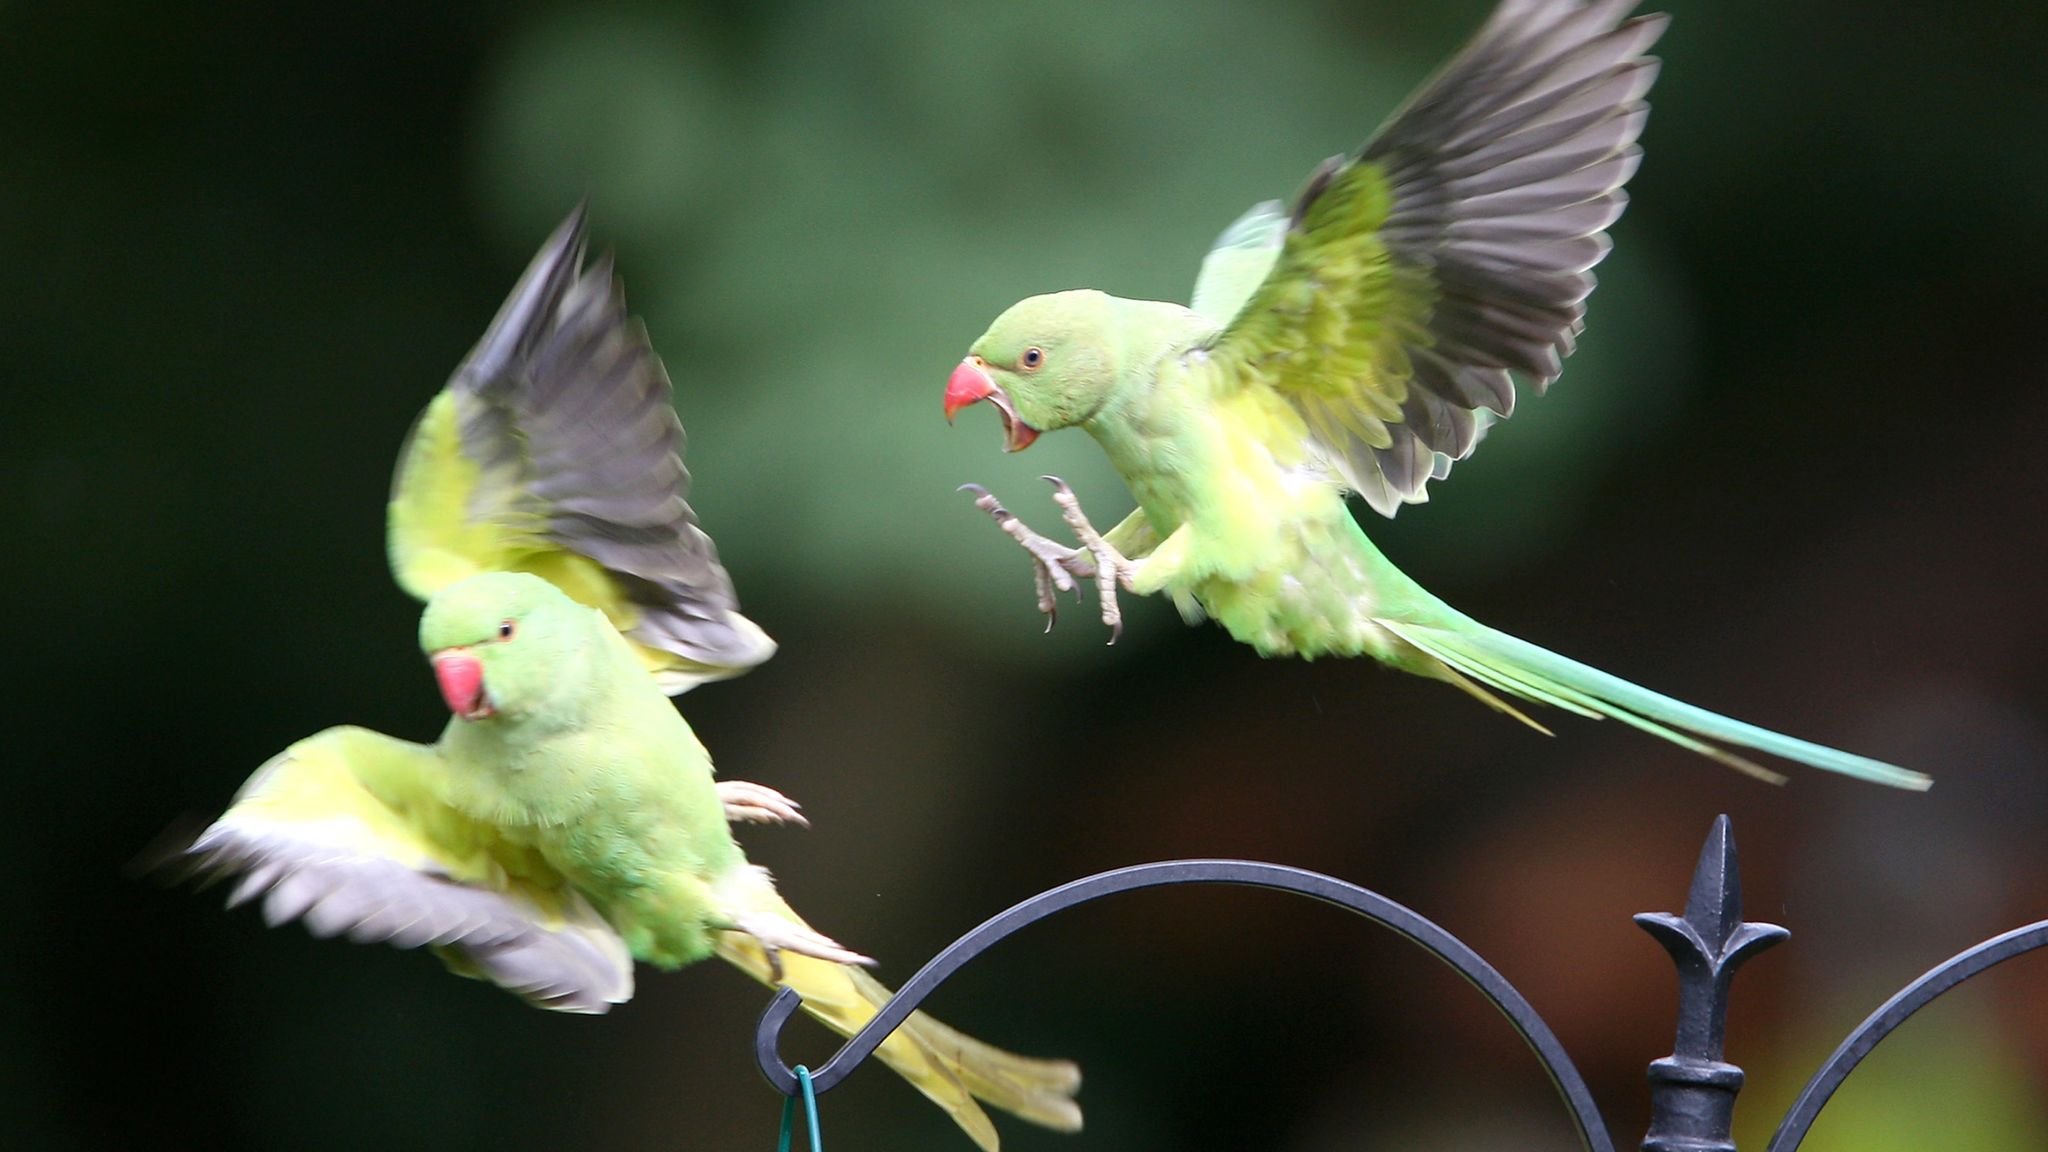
(987, 502)
(1058, 484)
(1115, 630)
(1042, 577)
(977, 489)
(750, 803)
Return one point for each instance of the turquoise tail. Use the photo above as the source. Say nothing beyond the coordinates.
(1517, 668)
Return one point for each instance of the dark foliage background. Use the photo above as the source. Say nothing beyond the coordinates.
(1795, 473)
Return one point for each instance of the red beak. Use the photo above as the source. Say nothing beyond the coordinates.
(461, 677)
(971, 382)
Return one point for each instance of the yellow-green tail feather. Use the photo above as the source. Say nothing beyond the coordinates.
(952, 1069)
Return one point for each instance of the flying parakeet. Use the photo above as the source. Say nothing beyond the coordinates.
(1362, 341)
(566, 823)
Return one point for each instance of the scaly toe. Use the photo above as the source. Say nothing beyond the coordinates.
(778, 935)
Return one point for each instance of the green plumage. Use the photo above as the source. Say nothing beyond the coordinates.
(588, 764)
(1363, 343)
(567, 822)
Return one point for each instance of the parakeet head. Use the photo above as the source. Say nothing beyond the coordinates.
(503, 643)
(1047, 363)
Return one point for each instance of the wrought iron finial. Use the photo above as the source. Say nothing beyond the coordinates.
(1693, 1090)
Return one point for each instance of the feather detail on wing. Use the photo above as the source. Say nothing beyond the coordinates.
(556, 450)
(344, 832)
(1454, 249)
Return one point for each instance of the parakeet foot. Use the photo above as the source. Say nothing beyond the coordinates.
(1049, 561)
(1111, 567)
(749, 803)
(1057, 567)
(777, 935)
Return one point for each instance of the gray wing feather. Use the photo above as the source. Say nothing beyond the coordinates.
(1506, 169)
(581, 966)
(567, 399)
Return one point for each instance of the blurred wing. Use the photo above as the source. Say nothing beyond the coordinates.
(346, 832)
(1455, 248)
(1239, 260)
(555, 450)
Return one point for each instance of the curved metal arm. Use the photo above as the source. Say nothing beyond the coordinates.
(1895, 1012)
(1439, 943)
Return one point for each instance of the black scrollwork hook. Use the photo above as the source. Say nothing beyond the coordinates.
(1439, 943)
(1880, 1024)
(1693, 1089)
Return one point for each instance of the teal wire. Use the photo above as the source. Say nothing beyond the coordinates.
(803, 1079)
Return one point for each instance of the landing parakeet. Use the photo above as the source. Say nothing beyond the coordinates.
(566, 823)
(1361, 341)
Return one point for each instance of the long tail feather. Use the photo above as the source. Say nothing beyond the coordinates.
(1472, 652)
(952, 1069)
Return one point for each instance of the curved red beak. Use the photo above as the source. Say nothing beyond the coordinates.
(461, 677)
(971, 382)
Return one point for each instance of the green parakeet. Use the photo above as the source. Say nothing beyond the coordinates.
(1362, 341)
(567, 823)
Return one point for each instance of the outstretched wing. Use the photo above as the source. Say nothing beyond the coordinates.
(555, 450)
(346, 832)
(1455, 248)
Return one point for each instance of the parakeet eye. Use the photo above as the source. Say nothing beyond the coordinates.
(1031, 358)
(505, 630)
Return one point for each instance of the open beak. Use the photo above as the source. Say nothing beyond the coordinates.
(461, 677)
(971, 382)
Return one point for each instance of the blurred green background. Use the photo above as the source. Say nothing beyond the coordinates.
(1795, 473)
